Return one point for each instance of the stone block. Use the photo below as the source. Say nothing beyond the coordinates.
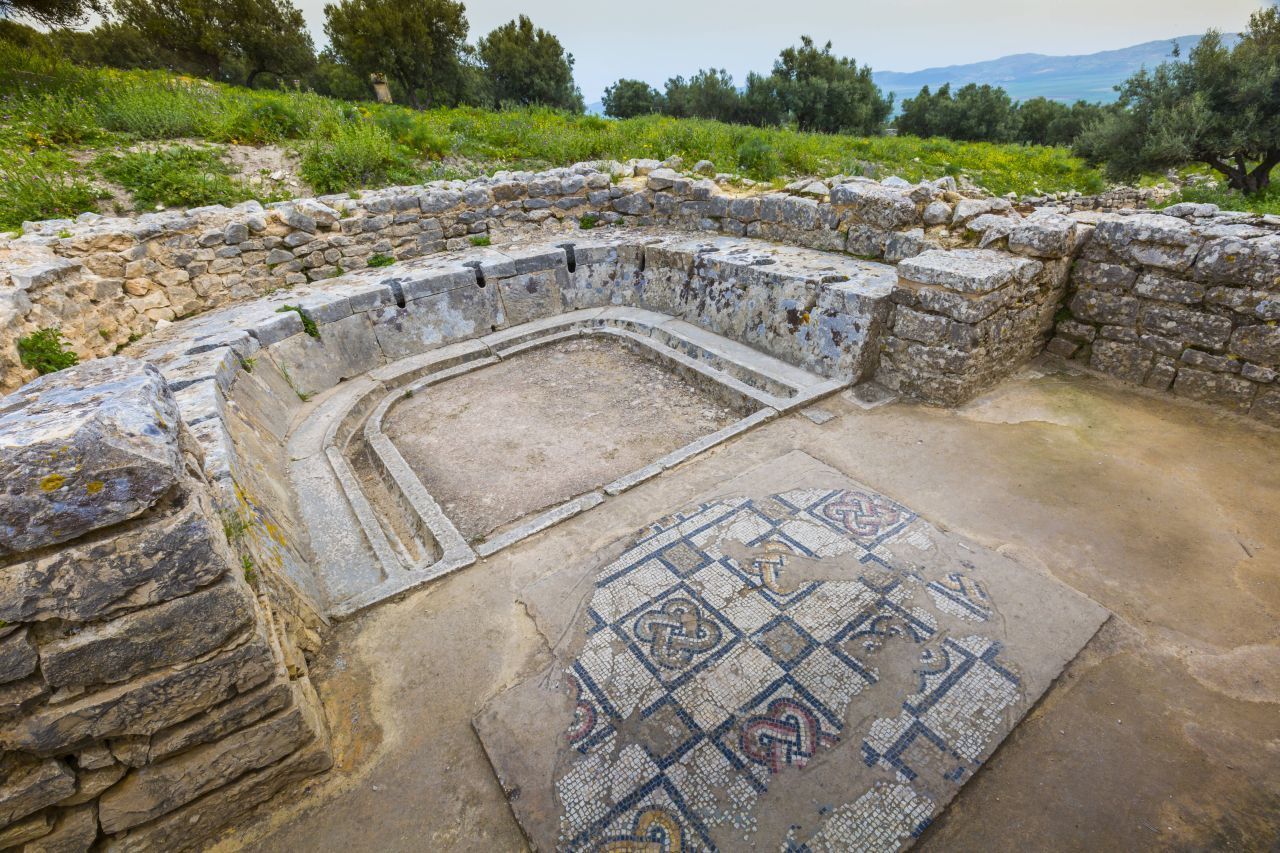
(29, 788)
(1241, 262)
(876, 205)
(1169, 289)
(143, 706)
(152, 560)
(1097, 306)
(1051, 236)
(917, 326)
(1150, 239)
(159, 788)
(1260, 343)
(532, 295)
(968, 270)
(75, 831)
(30, 828)
(84, 448)
(1103, 276)
(189, 826)
(1184, 324)
(236, 713)
(174, 632)
(1162, 374)
(17, 656)
(1266, 407)
(345, 349)
(1220, 389)
(432, 321)
(1126, 361)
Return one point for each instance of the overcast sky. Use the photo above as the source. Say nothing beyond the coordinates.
(655, 39)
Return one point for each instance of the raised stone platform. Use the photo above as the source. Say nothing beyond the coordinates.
(795, 662)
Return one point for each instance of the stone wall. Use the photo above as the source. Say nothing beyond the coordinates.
(1186, 302)
(109, 281)
(147, 694)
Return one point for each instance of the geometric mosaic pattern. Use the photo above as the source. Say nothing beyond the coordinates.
(703, 676)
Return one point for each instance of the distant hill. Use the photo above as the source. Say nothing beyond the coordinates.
(1090, 77)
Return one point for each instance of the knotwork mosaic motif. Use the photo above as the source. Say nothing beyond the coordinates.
(804, 669)
(750, 671)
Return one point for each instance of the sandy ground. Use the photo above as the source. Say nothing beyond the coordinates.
(1164, 733)
(499, 444)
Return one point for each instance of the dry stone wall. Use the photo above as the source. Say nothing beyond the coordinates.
(1187, 302)
(147, 693)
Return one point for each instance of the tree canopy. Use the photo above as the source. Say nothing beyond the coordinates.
(209, 36)
(417, 43)
(822, 92)
(629, 98)
(527, 65)
(1220, 107)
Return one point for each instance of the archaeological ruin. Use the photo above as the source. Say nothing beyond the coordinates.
(289, 420)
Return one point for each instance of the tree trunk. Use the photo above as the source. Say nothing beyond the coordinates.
(1260, 178)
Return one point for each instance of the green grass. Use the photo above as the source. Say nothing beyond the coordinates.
(49, 106)
(1267, 201)
(175, 176)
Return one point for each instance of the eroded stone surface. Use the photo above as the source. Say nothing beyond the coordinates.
(84, 448)
(798, 660)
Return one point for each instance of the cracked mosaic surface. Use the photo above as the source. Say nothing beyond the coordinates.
(799, 669)
(742, 668)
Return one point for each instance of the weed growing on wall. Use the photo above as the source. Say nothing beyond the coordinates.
(43, 351)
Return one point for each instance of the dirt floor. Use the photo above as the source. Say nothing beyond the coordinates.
(1164, 733)
(501, 443)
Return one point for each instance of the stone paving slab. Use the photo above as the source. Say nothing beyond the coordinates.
(795, 662)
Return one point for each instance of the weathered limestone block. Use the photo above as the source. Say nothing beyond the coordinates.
(189, 826)
(1260, 343)
(159, 788)
(174, 632)
(154, 559)
(422, 324)
(1150, 239)
(1051, 236)
(1169, 289)
(83, 448)
(968, 270)
(75, 832)
(344, 349)
(1103, 276)
(1124, 360)
(1185, 324)
(1231, 260)
(532, 295)
(142, 706)
(1097, 306)
(91, 783)
(17, 656)
(1266, 407)
(30, 788)
(236, 713)
(1220, 389)
(28, 829)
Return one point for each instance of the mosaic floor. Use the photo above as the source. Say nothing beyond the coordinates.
(797, 663)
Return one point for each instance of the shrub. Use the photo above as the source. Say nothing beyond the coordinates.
(157, 111)
(757, 159)
(380, 260)
(354, 154)
(405, 128)
(587, 221)
(482, 240)
(260, 121)
(41, 185)
(56, 119)
(176, 176)
(42, 351)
